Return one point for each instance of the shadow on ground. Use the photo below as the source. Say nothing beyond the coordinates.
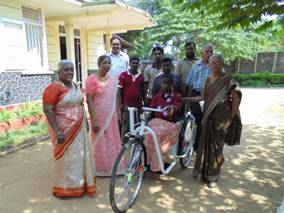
(252, 180)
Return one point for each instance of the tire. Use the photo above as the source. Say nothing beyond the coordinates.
(127, 176)
(186, 142)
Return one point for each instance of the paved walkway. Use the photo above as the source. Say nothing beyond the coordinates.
(252, 179)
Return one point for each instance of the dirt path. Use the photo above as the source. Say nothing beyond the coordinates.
(252, 180)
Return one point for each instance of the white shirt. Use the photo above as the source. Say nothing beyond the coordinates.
(119, 63)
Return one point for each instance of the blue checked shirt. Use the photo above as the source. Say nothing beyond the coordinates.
(198, 75)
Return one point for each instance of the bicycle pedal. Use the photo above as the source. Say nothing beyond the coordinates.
(142, 168)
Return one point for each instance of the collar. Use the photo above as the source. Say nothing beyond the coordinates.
(200, 63)
(119, 54)
(154, 66)
(133, 76)
(169, 75)
(193, 61)
(167, 95)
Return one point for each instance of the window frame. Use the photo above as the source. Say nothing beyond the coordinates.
(30, 70)
(7, 67)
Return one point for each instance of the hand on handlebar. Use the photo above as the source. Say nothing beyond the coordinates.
(170, 108)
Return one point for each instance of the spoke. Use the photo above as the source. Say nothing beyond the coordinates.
(127, 186)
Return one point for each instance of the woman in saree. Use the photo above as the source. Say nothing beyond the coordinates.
(101, 91)
(67, 125)
(221, 121)
(163, 124)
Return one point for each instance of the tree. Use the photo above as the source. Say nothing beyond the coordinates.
(241, 12)
(180, 24)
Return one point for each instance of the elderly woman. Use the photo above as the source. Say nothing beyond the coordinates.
(101, 91)
(221, 122)
(64, 110)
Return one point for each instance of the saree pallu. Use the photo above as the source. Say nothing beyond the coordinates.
(74, 167)
(216, 132)
(167, 134)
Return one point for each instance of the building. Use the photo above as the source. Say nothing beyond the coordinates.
(36, 34)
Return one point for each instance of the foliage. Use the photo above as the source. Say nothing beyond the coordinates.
(18, 137)
(6, 116)
(260, 79)
(241, 12)
(29, 110)
(25, 111)
(141, 40)
(178, 24)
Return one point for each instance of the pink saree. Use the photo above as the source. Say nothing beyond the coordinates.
(74, 168)
(107, 142)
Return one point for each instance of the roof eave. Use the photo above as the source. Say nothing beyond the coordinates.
(121, 4)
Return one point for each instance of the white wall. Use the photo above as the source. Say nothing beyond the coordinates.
(95, 48)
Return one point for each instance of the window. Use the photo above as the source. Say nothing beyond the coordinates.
(34, 35)
(12, 45)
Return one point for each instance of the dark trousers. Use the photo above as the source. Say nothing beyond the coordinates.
(197, 113)
(125, 124)
(124, 127)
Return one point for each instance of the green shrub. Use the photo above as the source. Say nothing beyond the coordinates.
(17, 137)
(260, 79)
(6, 116)
(25, 112)
(28, 110)
(36, 109)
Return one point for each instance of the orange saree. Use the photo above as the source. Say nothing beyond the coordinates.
(74, 168)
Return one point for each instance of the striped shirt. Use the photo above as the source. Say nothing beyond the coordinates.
(198, 75)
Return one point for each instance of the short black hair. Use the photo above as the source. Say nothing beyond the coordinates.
(190, 43)
(158, 48)
(113, 38)
(134, 58)
(167, 59)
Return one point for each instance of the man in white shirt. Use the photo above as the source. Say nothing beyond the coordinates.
(119, 59)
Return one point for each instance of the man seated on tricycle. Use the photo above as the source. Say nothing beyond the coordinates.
(164, 123)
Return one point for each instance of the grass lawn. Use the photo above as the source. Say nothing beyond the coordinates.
(14, 138)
